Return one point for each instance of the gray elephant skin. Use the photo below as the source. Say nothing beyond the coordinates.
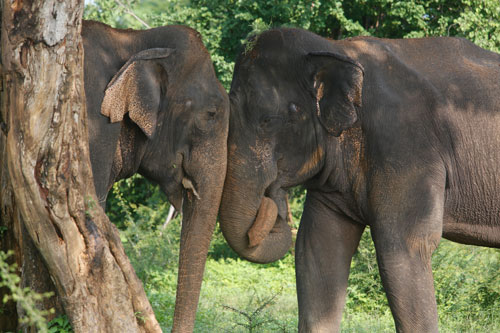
(156, 107)
(402, 136)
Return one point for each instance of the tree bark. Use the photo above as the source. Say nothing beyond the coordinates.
(45, 148)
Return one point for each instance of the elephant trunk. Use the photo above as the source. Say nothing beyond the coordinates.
(200, 207)
(249, 220)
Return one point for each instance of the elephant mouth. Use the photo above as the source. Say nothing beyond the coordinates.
(185, 187)
(175, 195)
(180, 183)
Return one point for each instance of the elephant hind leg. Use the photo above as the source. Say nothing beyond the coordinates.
(325, 245)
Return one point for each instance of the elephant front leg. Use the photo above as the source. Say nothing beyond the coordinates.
(325, 245)
(406, 230)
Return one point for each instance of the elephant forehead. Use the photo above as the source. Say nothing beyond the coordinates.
(269, 97)
(264, 96)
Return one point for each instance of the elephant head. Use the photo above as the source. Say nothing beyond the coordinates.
(162, 113)
(291, 92)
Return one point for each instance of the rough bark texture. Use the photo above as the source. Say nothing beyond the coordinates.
(45, 147)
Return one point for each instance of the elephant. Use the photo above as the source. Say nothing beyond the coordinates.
(401, 136)
(155, 107)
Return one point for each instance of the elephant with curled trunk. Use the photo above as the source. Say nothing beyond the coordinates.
(402, 136)
(156, 107)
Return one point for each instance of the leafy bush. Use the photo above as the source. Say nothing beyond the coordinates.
(219, 249)
(466, 279)
(365, 286)
(136, 200)
(25, 298)
(225, 23)
(151, 249)
(60, 324)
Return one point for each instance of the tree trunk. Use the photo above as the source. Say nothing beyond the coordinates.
(45, 148)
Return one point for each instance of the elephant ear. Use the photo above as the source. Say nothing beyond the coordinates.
(338, 84)
(136, 90)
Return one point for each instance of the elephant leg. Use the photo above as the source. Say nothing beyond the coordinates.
(325, 245)
(406, 230)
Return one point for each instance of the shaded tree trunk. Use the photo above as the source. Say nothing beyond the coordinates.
(46, 180)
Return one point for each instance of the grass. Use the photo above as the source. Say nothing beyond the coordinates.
(233, 290)
(232, 287)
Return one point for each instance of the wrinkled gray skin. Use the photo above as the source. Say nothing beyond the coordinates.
(399, 135)
(156, 107)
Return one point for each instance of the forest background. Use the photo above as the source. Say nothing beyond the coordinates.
(238, 296)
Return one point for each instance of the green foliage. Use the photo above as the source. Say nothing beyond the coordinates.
(60, 324)
(365, 287)
(254, 315)
(2, 230)
(219, 248)
(230, 286)
(480, 22)
(224, 24)
(24, 297)
(296, 199)
(466, 279)
(136, 200)
(151, 249)
(110, 12)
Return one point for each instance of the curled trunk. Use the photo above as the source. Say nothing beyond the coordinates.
(249, 220)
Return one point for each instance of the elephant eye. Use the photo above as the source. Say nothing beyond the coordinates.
(211, 115)
(293, 108)
(270, 122)
(266, 120)
(295, 113)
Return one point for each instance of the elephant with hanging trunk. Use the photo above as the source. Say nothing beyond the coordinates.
(156, 107)
(402, 136)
